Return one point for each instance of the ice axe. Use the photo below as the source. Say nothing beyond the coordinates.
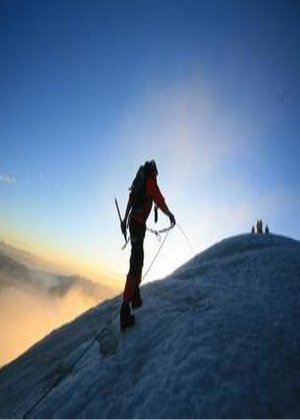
(124, 233)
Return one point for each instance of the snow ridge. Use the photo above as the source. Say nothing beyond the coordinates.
(217, 338)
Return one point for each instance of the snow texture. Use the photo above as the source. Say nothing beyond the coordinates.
(219, 338)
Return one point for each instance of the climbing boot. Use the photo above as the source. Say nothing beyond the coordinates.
(126, 318)
(137, 301)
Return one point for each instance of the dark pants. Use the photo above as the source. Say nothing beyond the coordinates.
(134, 276)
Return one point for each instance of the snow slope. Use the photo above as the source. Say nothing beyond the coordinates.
(218, 338)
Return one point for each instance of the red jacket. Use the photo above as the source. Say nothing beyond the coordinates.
(152, 194)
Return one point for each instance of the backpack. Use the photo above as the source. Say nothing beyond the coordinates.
(138, 187)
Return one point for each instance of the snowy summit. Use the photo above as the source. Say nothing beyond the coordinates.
(218, 338)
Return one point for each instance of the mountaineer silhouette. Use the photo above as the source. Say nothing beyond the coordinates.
(143, 191)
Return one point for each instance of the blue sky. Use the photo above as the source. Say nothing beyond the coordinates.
(89, 90)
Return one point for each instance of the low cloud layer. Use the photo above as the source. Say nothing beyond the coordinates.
(33, 303)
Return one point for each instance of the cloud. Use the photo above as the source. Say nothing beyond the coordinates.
(7, 179)
(33, 303)
(27, 317)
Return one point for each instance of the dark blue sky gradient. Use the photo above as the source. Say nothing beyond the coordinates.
(73, 71)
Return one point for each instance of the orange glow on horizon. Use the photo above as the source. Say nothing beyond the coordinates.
(63, 262)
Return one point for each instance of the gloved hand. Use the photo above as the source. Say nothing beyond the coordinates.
(123, 227)
(172, 219)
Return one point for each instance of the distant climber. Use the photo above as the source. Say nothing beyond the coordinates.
(253, 230)
(143, 191)
(259, 226)
(267, 231)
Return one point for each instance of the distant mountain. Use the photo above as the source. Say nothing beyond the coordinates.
(27, 258)
(18, 275)
(219, 338)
